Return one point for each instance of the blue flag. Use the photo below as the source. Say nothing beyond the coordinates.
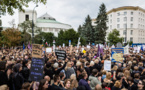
(142, 47)
(23, 46)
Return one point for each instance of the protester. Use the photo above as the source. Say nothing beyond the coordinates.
(78, 71)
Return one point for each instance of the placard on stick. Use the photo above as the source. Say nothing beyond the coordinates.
(61, 54)
(107, 65)
(36, 50)
(36, 72)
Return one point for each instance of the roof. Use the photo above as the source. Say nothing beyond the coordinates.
(46, 21)
(49, 21)
(46, 16)
(126, 8)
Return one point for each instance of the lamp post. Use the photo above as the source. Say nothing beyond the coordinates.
(33, 24)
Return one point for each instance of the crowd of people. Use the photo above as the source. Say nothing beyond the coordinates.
(80, 71)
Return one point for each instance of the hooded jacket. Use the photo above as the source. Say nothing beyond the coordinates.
(93, 82)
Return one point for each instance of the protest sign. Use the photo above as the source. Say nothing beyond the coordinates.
(88, 47)
(36, 71)
(107, 65)
(36, 50)
(48, 50)
(61, 54)
(126, 50)
(117, 54)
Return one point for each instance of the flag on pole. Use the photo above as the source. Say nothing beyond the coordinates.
(99, 50)
(23, 46)
(29, 47)
(142, 47)
(46, 43)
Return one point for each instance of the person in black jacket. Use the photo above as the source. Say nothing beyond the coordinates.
(56, 69)
(3, 76)
(18, 79)
(117, 86)
(25, 71)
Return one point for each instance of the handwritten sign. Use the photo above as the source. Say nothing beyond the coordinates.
(126, 50)
(61, 55)
(117, 54)
(36, 50)
(36, 72)
(107, 65)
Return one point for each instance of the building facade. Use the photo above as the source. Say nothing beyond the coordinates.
(130, 18)
(46, 22)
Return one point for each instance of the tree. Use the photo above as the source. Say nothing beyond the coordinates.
(26, 29)
(60, 38)
(113, 37)
(80, 29)
(88, 31)
(9, 5)
(11, 37)
(101, 27)
(49, 37)
(71, 34)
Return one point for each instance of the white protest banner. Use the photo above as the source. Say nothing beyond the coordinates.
(63, 44)
(82, 49)
(88, 47)
(49, 50)
(107, 65)
(126, 50)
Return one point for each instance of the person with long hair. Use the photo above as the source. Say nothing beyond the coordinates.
(69, 70)
(67, 84)
(43, 85)
(74, 82)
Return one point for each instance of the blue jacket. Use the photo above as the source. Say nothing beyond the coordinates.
(84, 83)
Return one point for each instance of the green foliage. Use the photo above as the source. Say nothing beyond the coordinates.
(87, 31)
(65, 36)
(26, 28)
(129, 42)
(49, 37)
(113, 37)
(9, 5)
(79, 29)
(101, 27)
(10, 37)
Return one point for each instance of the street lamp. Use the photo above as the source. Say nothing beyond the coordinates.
(33, 24)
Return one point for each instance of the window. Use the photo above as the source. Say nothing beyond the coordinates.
(43, 17)
(111, 15)
(131, 25)
(125, 18)
(125, 39)
(26, 17)
(110, 26)
(139, 19)
(131, 13)
(131, 32)
(124, 25)
(111, 21)
(118, 25)
(118, 19)
(124, 32)
(125, 13)
(131, 39)
(131, 19)
(118, 14)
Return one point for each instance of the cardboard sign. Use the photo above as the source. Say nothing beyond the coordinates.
(117, 54)
(36, 72)
(36, 50)
(107, 65)
(48, 50)
(61, 54)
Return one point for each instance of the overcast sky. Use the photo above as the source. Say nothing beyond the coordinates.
(73, 12)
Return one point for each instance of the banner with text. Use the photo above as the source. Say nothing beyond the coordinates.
(36, 50)
(61, 55)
